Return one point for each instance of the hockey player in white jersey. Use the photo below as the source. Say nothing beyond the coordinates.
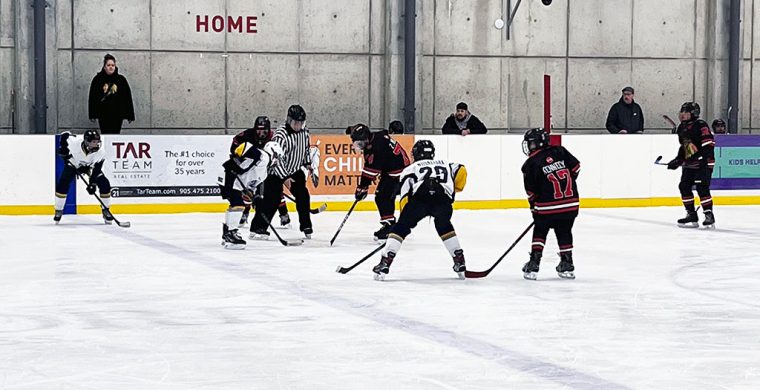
(242, 184)
(87, 158)
(428, 188)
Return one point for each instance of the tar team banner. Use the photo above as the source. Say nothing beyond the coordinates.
(161, 165)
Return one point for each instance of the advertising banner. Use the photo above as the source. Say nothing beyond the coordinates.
(163, 165)
(737, 162)
(340, 166)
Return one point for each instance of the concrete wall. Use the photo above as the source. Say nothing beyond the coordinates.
(342, 60)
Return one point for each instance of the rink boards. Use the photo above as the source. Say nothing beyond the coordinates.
(170, 174)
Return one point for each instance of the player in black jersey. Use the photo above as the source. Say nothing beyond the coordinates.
(384, 158)
(550, 174)
(259, 135)
(696, 156)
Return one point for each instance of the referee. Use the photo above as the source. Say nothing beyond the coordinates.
(293, 138)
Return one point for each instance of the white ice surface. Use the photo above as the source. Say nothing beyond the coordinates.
(162, 306)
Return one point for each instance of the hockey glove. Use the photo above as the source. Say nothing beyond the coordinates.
(674, 163)
(64, 152)
(231, 166)
(361, 193)
(85, 170)
(63, 149)
(91, 189)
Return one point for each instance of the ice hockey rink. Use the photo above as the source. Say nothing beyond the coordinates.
(163, 306)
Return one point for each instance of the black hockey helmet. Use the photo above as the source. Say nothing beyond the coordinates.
(423, 150)
(396, 127)
(296, 113)
(534, 139)
(692, 108)
(263, 129)
(296, 117)
(360, 135)
(91, 140)
(718, 123)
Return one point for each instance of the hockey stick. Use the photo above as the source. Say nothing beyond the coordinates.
(318, 210)
(284, 242)
(483, 274)
(344, 270)
(103, 205)
(671, 123)
(657, 161)
(344, 221)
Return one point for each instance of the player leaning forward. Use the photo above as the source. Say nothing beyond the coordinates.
(384, 158)
(696, 157)
(87, 158)
(549, 176)
(428, 187)
(242, 184)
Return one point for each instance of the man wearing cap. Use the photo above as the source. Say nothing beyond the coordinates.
(462, 122)
(625, 116)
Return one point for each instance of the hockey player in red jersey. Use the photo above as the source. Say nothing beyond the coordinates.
(696, 157)
(550, 174)
(384, 158)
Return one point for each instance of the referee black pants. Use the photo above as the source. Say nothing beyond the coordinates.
(267, 207)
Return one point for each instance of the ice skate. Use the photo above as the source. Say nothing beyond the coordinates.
(232, 240)
(459, 266)
(691, 220)
(285, 221)
(566, 269)
(259, 234)
(307, 232)
(57, 216)
(530, 269)
(382, 233)
(382, 268)
(709, 222)
(107, 217)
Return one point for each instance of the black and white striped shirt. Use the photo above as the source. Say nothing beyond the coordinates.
(295, 151)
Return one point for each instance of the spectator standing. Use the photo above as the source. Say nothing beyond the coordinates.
(110, 99)
(625, 116)
(463, 122)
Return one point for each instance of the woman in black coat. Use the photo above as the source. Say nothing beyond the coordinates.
(110, 98)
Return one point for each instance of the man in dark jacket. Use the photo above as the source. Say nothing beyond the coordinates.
(110, 98)
(462, 122)
(625, 116)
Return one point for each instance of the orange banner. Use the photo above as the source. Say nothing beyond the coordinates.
(340, 166)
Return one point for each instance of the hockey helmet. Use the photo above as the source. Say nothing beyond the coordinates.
(296, 116)
(535, 139)
(396, 127)
(360, 135)
(423, 150)
(692, 108)
(263, 129)
(719, 123)
(91, 140)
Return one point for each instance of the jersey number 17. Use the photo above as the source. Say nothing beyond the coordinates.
(555, 178)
